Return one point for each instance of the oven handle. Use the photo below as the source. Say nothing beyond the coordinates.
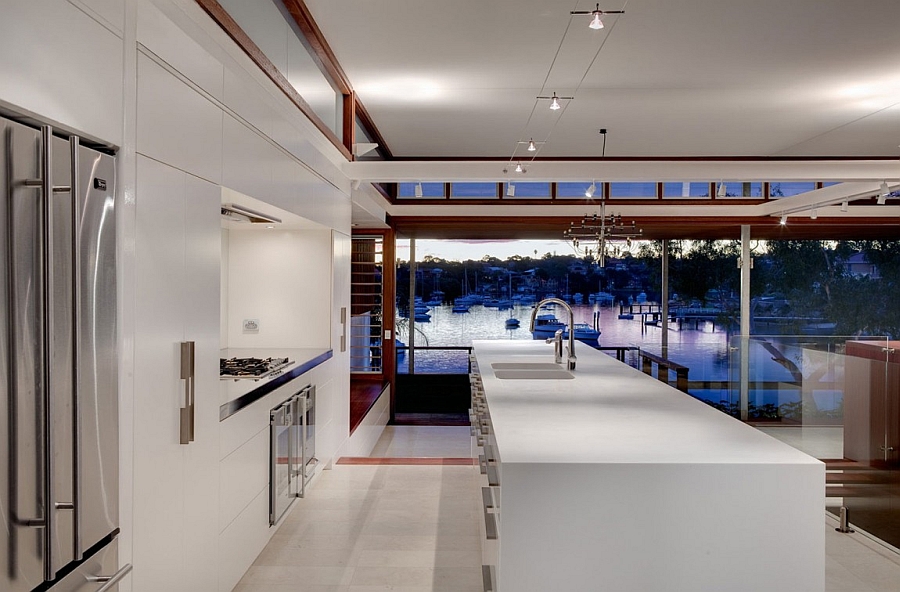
(110, 581)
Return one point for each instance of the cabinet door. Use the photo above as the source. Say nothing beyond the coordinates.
(202, 257)
(159, 488)
(177, 254)
(340, 343)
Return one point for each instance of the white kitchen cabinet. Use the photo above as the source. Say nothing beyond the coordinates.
(63, 65)
(176, 485)
(340, 313)
(176, 124)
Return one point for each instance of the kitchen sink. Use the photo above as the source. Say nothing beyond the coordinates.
(525, 366)
(556, 373)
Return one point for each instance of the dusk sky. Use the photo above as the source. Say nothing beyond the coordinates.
(462, 250)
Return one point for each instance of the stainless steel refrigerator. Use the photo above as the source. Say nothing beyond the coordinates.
(58, 378)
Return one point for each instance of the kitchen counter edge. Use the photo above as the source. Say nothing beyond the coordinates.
(228, 409)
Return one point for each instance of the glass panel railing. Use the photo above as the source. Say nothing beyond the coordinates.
(837, 398)
(433, 360)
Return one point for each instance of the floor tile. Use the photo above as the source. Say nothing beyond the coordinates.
(414, 528)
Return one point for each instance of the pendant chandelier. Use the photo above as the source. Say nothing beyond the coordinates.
(601, 235)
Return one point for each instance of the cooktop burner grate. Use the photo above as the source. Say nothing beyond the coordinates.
(253, 368)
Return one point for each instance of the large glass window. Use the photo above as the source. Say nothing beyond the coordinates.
(632, 190)
(473, 190)
(696, 190)
(526, 190)
(428, 190)
(787, 189)
(577, 189)
(361, 135)
(273, 30)
(739, 189)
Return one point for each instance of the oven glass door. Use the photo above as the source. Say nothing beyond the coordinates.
(305, 425)
(280, 461)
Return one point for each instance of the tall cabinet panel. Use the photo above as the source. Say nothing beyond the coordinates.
(202, 286)
(177, 275)
(341, 337)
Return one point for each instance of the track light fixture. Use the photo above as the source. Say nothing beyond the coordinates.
(520, 168)
(418, 190)
(554, 101)
(844, 205)
(783, 220)
(531, 146)
(722, 191)
(883, 193)
(510, 189)
(590, 190)
(813, 214)
(596, 14)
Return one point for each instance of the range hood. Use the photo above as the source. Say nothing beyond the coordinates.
(238, 213)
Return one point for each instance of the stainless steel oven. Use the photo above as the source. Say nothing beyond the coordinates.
(292, 439)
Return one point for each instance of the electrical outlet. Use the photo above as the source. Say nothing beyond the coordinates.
(251, 325)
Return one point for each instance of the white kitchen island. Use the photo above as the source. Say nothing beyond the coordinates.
(614, 481)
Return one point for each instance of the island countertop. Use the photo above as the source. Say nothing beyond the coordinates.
(611, 413)
(615, 477)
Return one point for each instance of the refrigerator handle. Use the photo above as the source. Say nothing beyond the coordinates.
(46, 250)
(16, 518)
(74, 146)
(187, 374)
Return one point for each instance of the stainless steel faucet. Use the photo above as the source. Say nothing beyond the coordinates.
(557, 338)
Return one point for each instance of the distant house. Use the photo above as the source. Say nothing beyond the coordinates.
(857, 265)
(578, 268)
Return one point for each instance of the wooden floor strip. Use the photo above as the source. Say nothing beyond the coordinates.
(406, 460)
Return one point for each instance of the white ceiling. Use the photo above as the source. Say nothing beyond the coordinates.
(679, 78)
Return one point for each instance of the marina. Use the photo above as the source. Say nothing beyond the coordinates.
(700, 357)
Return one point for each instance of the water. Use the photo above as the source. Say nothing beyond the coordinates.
(704, 349)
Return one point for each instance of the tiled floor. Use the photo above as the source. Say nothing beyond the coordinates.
(414, 529)
(375, 528)
(428, 441)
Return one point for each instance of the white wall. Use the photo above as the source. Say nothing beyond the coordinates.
(276, 276)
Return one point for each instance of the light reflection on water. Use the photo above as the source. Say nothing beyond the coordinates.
(702, 347)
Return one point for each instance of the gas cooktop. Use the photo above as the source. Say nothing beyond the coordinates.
(251, 368)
